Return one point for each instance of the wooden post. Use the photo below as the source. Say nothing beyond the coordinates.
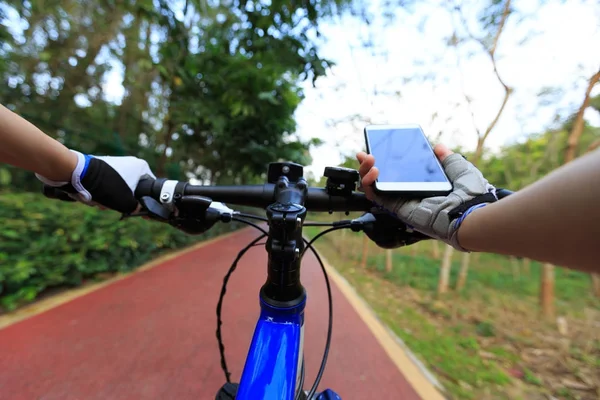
(388, 260)
(435, 249)
(526, 266)
(414, 249)
(365, 251)
(464, 270)
(445, 270)
(515, 268)
(596, 284)
(547, 290)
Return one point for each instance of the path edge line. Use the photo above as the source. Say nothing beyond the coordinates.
(59, 299)
(415, 372)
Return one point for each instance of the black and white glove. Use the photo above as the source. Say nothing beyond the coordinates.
(106, 181)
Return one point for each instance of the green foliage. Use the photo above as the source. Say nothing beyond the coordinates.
(46, 243)
(522, 163)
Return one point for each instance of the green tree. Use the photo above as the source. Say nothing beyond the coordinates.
(209, 88)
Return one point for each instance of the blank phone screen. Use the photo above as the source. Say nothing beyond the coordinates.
(404, 155)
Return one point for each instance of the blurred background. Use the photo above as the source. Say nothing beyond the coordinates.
(212, 91)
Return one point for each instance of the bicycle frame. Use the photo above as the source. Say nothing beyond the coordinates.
(274, 362)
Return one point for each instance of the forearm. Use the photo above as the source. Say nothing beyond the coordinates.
(556, 219)
(25, 146)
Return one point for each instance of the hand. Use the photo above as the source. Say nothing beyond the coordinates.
(439, 217)
(105, 181)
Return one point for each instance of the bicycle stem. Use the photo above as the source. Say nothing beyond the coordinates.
(285, 244)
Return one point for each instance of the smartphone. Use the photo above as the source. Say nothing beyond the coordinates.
(406, 161)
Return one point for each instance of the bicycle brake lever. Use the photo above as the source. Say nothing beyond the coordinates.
(151, 208)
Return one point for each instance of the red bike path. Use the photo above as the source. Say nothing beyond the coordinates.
(151, 335)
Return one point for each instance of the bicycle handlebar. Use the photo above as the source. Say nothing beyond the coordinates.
(261, 196)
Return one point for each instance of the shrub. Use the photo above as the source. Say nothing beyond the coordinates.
(47, 243)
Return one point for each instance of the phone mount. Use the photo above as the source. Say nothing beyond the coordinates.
(340, 181)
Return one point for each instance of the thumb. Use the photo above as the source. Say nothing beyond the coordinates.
(442, 152)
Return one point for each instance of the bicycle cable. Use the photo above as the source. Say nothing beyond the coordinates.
(326, 231)
(252, 224)
(222, 296)
(250, 216)
(309, 245)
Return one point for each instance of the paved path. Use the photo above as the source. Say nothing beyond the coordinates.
(151, 336)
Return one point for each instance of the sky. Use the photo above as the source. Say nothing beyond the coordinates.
(564, 53)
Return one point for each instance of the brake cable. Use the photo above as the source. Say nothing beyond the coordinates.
(222, 296)
(309, 245)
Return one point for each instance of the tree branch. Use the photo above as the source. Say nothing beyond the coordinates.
(578, 124)
(464, 92)
(505, 14)
(491, 51)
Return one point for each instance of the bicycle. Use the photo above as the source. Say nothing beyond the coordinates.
(274, 367)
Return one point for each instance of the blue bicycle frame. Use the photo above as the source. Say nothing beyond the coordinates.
(274, 362)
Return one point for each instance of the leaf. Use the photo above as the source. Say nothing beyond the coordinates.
(269, 96)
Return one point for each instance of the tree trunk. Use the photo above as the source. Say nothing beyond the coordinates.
(596, 284)
(464, 270)
(515, 268)
(414, 249)
(169, 129)
(526, 266)
(547, 291)
(341, 244)
(388, 260)
(578, 124)
(435, 245)
(365, 252)
(445, 270)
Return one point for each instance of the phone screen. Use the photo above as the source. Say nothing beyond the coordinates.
(404, 155)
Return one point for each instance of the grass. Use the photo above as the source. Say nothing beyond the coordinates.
(485, 341)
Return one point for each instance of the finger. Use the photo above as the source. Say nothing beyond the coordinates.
(368, 181)
(366, 165)
(371, 176)
(360, 156)
(442, 152)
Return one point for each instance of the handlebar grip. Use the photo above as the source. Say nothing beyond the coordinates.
(149, 187)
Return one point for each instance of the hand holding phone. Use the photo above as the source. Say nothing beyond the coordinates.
(406, 162)
(438, 217)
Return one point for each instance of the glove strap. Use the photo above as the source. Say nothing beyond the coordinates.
(465, 207)
(459, 221)
(83, 161)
